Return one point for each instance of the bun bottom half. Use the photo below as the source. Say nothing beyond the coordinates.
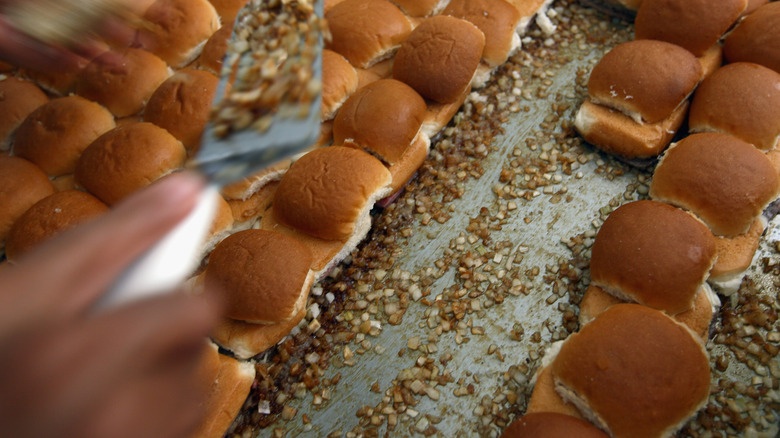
(617, 134)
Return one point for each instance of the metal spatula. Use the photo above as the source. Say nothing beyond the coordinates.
(223, 158)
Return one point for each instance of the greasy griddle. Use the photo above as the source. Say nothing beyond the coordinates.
(495, 362)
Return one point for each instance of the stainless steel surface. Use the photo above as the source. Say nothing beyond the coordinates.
(537, 230)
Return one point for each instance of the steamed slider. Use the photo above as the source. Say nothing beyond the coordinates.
(637, 98)
(18, 98)
(497, 19)
(551, 425)
(698, 318)
(55, 135)
(694, 25)
(182, 105)
(227, 383)
(634, 372)
(22, 184)
(264, 277)
(723, 180)
(741, 99)
(653, 254)
(49, 217)
(339, 81)
(366, 31)
(122, 80)
(324, 200)
(440, 58)
(756, 39)
(735, 255)
(384, 119)
(177, 29)
(126, 159)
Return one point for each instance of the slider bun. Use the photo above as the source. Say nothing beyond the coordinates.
(22, 184)
(229, 390)
(440, 57)
(58, 81)
(264, 277)
(49, 217)
(721, 179)
(653, 254)
(497, 19)
(644, 79)
(694, 25)
(366, 31)
(339, 81)
(18, 98)
(735, 255)
(616, 133)
(128, 158)
(177, 29)
(122, 80)
(551, 425)
(55, 135)
(213, 53)
(697, 318)
(756, 39)
(741, 99)
(246, 340)
(327, 191)
(383, 117)
(753, 5)
(182, 105)
(629, 362)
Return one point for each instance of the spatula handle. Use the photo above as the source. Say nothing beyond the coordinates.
(163, 268)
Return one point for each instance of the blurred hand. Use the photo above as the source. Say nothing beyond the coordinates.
(24, 51)
(129, 372)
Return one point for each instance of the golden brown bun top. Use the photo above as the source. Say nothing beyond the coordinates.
(18, 98)
(176, 28)
(741, 99)
(647, 77)
(756, 39)
(692, 24)
(22, 184)
(384, 117)
(59, 81)
(126, 159)
(260, 275)
(339, 81)
(49, 217)
(440, 57)
(551, 425)
(214, 50)
(182, 105)
(55, 135)
(122, 80)
(497, 19)
(326, 190)
(723, 180)
(632, 361)
(654, 254)
(365, 30)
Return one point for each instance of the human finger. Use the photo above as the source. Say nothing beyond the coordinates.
(65, 275)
